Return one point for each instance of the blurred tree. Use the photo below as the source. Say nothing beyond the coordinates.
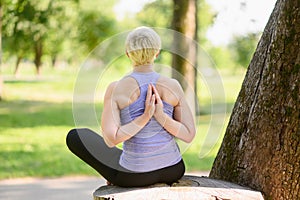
(156, 14)
(28, 24)
(184, 62)
(93, 27)
(206, 18)
(59, 32)
(1, 81)
(243, 48)
(261, 144)
(159, 14)
(103, 6)
(16, 39)
(221, 56)
(50, 25)
(3, 7)
(25, 29)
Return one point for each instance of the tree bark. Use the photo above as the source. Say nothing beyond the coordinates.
(261, 147)
(188, 187)
(184, 65)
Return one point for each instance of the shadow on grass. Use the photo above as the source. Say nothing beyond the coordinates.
(32, 135)
(39, 162)
(28, 114)
(26, 81)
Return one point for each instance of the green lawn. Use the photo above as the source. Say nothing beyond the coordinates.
(36, 115)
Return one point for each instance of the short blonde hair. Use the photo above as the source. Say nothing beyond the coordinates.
(142, 45)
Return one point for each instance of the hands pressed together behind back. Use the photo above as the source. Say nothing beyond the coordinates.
(153, 103)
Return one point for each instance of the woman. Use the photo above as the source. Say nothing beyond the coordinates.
(145, 111)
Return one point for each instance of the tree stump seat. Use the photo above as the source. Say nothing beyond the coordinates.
(189, 187)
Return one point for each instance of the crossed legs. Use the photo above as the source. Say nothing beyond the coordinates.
(91, 148)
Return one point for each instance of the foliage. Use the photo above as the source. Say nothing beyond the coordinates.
(206, 18)
(28, 24)
(69, 30)
(103, 6)
(222, 57)
(159, 14)
(59, 32)
(156, 14)
(17, 31)
(94, 27)
(36, 28)
(243, 48)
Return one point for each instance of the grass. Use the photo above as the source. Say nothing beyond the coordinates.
(36, 115)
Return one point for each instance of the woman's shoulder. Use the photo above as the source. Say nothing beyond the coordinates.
(121, 87)
(169, 89)
(170, 83)
(124, 82)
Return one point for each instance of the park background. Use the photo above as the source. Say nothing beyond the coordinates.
(36, 106)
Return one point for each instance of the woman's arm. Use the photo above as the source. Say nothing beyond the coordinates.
(113, 132)
(182, 126)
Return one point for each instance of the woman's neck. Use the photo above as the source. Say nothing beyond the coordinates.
(143, 68)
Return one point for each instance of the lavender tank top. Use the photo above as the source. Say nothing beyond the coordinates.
(152, 147)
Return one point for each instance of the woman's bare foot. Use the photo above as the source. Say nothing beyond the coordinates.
(108, 183)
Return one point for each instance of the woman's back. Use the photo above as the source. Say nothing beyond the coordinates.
(127, 91)
(153, 147)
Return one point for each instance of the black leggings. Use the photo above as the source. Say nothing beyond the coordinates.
(91, 148)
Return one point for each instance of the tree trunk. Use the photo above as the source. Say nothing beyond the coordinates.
(38, 50)
(184, 65)
(17, 69)
(188, 187)
(53, 60)
(261, 147)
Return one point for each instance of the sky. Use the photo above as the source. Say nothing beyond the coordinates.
(235, 17)
(125, 7)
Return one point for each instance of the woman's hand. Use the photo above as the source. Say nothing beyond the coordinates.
(149, 103)
(159, 106)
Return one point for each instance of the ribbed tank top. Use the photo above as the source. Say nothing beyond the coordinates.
(152, 147)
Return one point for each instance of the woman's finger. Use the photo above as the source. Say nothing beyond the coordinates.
(158, 99)
(149, 92)
(152, 102)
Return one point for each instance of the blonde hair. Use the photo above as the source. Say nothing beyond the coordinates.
(142, 45)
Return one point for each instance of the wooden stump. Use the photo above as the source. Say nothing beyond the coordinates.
(189, 187)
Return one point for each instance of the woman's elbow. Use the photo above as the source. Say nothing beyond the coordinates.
(189, 139)
(110, 142)
(190, 136)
